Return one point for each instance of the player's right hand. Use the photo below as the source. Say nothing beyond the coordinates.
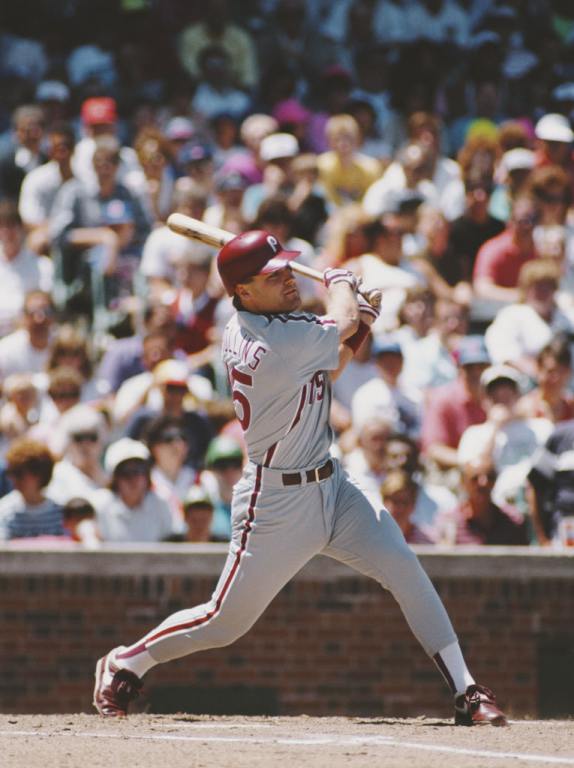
(367, 311)
(334, 276)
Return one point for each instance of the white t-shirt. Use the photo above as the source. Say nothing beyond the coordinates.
(377, 400)
(27, 272)
(519, 331)
(151, 521)
(69, 482)
(38, 191)
(162, 249)
(17, 355)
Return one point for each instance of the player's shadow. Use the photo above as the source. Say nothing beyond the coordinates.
(416, 722)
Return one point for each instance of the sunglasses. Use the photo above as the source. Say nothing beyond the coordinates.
(132, 471)
(17, 472)
(171, 437)
(69, 395)
(85, 437)
(176, 388)
(227, 464)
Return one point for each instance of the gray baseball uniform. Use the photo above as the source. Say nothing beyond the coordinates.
(294, 501)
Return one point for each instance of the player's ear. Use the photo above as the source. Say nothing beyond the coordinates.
(242, 290)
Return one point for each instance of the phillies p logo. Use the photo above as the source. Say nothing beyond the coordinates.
(273, 244)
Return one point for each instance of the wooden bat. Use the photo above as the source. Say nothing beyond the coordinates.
(216, 237)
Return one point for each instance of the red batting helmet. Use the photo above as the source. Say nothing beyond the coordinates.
(252, 253)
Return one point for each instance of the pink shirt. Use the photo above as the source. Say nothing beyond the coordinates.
(499, 259)
(447, 412)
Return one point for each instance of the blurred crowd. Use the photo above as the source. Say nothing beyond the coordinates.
(425, 144)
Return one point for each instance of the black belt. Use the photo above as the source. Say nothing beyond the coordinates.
(310, 476)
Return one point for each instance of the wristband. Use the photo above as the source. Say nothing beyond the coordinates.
(355, 341)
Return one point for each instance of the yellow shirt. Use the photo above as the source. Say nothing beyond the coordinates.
(345, 184)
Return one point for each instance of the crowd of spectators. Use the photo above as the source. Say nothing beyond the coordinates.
(424, 144)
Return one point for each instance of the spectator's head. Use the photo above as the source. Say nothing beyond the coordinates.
(551, 187)
(70, 349)
(28, 124)
(478, 190)
(275, 217)
(19, 389)
(127, 462)
(153, 151)
(53, 96)
(171, 377)
(388, 356)
(292, 117)
(224, 457)
(555, 137)
(512, 134)
(418, 309)
(156, 347)
(478, 156)
(38, 317)
(225, 130)
(165, 437)
(29, 466)
(106, 161)
(524, 217)
(473, 359)
(230, 187)
(198, 512)
(334, 88)
(214, 66)
(401, 452)
(279, 149)
(434, 227)
(478, 479)
(75, 512)
(501, 385)
(451, 320)
(61, 142)
(99, 115)
(538, 281)
(425, 128)
(416, 161)
(193, 267)
(385, 238)
(65, 387)
(12, 231)
(372, 438)
(189, 197)
(255, 128)
(550, 241)
(178, 131)
(196, 160)
(345, 234)
(343, 135)
(83, 428)
(399, 492)
(516, 166)
(554, 365)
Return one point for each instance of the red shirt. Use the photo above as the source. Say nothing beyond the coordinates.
(447, 412)
(499, 259)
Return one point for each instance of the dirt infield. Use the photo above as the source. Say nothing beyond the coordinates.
(74, 741)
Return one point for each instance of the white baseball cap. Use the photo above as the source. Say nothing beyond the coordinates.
(278, 145)
(554, 127)
(500, 373)
(122, 450)
(518, 159)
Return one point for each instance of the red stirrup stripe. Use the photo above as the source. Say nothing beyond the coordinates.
(232, 573)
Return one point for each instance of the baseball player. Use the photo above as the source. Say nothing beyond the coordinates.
(293, 500)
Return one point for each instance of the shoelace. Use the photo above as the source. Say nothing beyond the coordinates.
(478, 693)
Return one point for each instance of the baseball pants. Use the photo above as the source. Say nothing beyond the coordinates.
(276, 530)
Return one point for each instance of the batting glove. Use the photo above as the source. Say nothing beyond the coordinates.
(332, 276)
(368, 309)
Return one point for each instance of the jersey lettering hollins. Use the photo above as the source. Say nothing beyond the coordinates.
(243, 347)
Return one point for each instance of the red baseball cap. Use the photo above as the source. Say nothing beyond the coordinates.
(253, 253)
(100, 110)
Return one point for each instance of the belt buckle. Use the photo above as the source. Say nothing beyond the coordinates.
(316, 473)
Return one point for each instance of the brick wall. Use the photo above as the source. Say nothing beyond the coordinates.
(331, 643)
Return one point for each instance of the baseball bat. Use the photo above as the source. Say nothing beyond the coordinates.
(216, 237)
